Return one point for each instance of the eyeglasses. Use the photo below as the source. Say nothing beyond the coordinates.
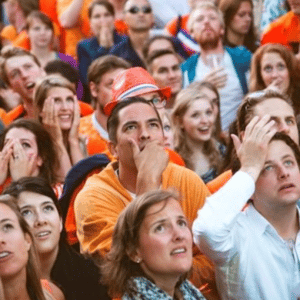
(158, 102)
(135, 9)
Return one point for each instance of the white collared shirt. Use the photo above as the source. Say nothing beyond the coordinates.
(252, 260)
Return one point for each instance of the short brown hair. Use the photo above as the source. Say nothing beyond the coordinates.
(28, 6)
(113, 119)
(159, 53)
(109, 7)
(103, 64)
(246, 110)
(42, 17)
(117, 267)
(10, 52)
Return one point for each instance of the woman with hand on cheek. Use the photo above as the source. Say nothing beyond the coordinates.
(151, 252)
(56, 107)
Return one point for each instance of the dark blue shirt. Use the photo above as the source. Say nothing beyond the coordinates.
(88, 50)
(126, 51)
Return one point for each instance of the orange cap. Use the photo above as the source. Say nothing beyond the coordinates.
(133, 82)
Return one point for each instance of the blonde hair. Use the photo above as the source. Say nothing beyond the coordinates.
(183, 101)
(204, 5)
(44, 86)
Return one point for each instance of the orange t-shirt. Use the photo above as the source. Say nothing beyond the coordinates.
(96, 144)
(214, 185)
(284, 31)
(78, 32)
(9, 33)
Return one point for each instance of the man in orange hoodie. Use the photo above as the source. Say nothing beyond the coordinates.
(136, 140)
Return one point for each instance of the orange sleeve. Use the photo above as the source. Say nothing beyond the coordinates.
(172, 26)
(49, 8)
(85, 109)
(121, 27)
(22, 41)
(9, 33)
(218, 182)
(2, 114)
(175, 158)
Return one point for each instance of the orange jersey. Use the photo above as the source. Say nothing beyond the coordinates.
(284, 31)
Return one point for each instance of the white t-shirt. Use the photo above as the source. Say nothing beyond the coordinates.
(231, 95)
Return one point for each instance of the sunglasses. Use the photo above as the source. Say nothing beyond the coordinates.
(135, 9)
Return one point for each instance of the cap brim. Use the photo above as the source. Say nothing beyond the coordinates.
(165, 93)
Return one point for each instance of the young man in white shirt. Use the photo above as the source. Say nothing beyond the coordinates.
(256, 247)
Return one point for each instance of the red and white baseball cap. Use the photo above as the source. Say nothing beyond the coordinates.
(134, 82)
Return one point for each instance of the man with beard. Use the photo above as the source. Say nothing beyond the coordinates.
(101, 74)
(225, 67)
(139, 18)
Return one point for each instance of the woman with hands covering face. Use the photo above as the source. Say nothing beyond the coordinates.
(56, 107)
(27, 150)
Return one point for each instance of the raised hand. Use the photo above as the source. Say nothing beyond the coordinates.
(217, 77)
(150, 163)
(106, 38)
(50, 120)
(73, 134)
(20, 165)
(5, 156)
(252, 150)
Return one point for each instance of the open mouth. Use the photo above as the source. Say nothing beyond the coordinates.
(43, 234)
(30, 85)
(204, 130)
(4, 254)
(178, 251)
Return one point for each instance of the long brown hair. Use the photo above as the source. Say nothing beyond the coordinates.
(33, 283)
(229, 9)
(117, 267)
(256, 81)
(182, 103)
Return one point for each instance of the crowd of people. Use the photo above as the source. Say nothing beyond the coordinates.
(150, 149)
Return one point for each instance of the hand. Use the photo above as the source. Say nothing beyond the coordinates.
(106, 37)
(217, 77)
(274, 86)
(73, 134)
(253, 149)
(19, 164)
(50, 120)
(150, 163)
(5, 156)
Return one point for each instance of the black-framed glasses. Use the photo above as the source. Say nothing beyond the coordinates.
(135, 9)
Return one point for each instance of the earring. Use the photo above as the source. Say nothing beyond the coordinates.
(138, 260)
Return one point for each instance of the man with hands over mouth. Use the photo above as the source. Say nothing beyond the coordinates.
(256, 241)
(136, 140)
